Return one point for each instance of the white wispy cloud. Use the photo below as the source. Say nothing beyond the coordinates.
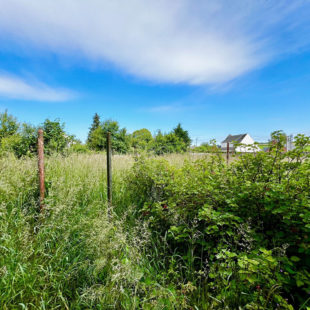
(164, 108)
(175, 107)
(183, 41)
(17, 88)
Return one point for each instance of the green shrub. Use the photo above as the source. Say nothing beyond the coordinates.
(78, 148)
(239, 234)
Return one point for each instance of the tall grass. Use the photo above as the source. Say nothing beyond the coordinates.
(73, 256)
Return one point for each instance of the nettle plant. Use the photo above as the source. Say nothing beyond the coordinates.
(238, 234)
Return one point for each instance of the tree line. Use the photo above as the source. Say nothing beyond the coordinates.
(176, 141)
(21, 138)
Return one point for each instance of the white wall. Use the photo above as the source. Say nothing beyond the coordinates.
(249, 149)
(246, 140)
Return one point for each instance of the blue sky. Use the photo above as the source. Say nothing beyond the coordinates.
(218, 67)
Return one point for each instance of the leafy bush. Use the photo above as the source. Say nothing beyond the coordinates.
(21, 139)
(78, 148)
(55, 138)
(141, 139)
(167, 143)
(239, 234)
(8, 125)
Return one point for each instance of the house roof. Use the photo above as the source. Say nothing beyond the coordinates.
(231, 138)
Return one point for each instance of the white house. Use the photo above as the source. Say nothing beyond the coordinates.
(246, 141)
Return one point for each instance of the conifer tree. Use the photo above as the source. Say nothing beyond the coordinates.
(182, 135)
(95, 125)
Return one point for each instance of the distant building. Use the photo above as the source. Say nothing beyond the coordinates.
(244, 139)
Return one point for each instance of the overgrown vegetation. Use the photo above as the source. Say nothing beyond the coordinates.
(184, 233)
(239, 236)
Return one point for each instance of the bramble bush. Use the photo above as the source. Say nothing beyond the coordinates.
(232, 236)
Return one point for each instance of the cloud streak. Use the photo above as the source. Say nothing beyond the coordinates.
(17, 88)
(191, 42)
(165, 108)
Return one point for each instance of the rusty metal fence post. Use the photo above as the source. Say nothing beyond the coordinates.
(41, 168)
(227, 153)
(109, 170)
